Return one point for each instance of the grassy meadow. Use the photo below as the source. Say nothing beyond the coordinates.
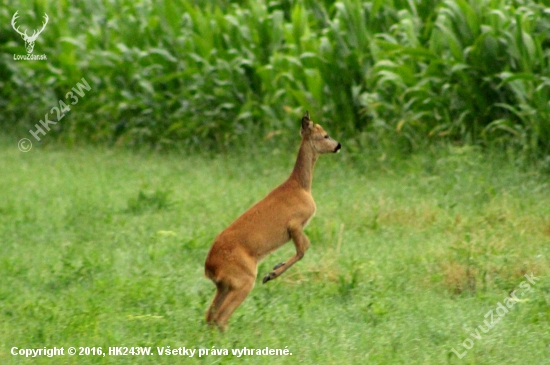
(426, 224)
(105, 247)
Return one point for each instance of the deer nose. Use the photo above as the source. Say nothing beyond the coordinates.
(337, 147)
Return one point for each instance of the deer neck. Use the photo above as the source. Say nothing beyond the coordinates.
(303, 169)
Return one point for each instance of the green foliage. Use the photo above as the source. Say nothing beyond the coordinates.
(216, 73)
(157, 200)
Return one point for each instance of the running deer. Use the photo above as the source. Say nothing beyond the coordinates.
(232, 263)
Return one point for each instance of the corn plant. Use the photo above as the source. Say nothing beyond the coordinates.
(217, 73)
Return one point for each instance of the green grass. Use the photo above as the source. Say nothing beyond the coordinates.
(106, 248)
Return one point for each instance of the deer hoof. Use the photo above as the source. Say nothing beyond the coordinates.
(278, 265)
(269, 276)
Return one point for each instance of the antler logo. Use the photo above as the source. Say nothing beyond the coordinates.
(29, 40)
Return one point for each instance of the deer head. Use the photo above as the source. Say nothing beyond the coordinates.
(29, 40)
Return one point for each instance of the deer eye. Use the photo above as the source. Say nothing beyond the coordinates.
(326, 135)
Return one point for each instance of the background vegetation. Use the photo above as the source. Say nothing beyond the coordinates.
(213, 73)
(105, 247)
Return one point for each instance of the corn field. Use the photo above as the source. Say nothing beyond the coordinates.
(216, 73)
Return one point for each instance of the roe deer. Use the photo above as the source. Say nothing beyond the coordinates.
(232, 263)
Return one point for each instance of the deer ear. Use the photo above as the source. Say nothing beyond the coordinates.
(306, 122)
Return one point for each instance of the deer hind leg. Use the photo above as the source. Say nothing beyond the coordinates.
(302, 244)
(221, 293)
(231, 300)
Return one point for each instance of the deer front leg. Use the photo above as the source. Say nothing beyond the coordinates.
(301, 242)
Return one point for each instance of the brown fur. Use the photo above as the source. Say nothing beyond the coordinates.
(232, 263)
